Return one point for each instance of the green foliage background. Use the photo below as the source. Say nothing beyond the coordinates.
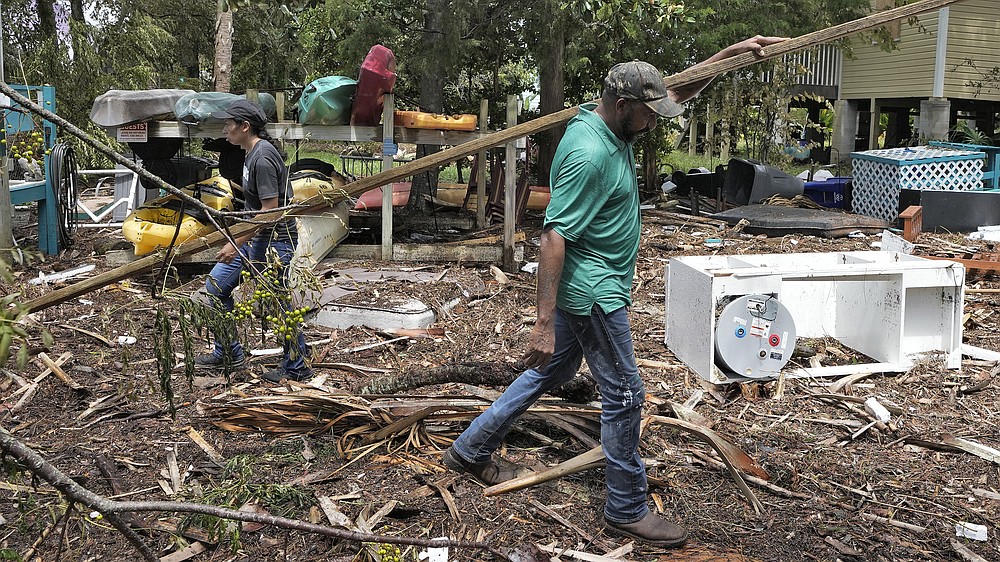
(489, 48)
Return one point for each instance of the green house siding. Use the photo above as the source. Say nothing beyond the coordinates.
(973, 33)
(908, 72)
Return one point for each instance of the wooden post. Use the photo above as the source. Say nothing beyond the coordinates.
(724, 148)
(510, 188)
(484, 155)
(387, 139)
(709, 133)
(693, 136)
(279, 106)
(253, 95)
(912, 222)
(876, 113)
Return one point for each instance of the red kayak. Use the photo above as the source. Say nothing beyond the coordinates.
(376, 79)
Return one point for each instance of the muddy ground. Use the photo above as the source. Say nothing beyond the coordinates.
(893, 492)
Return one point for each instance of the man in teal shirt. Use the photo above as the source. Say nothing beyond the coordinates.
(589, 245)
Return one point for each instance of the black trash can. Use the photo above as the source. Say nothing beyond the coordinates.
(748, 182)
(699, 180)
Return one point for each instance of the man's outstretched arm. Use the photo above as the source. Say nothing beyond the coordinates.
(753, 44)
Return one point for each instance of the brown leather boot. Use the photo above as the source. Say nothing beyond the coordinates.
(495, 471)
(652, 529)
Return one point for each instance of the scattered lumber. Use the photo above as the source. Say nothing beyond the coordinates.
(186, 553)
(59, 373)
(982, 451)
(580, 463)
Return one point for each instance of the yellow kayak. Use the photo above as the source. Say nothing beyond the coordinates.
(153, 225)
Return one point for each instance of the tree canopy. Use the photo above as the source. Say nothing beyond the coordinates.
(462, 50)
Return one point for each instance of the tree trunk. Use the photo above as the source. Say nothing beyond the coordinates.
(47, 20)
(552, 95)
(223, 68)
(76, 10)
(432, 81)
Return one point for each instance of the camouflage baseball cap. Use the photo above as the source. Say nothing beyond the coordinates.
(637, 80)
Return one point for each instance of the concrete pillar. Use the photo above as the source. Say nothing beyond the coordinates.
(845, 128)
(935, 119)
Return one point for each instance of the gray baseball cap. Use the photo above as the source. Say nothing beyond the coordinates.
(641, 81)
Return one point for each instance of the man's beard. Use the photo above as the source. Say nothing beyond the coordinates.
(629, 134)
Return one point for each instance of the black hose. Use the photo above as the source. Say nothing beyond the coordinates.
(62, 163)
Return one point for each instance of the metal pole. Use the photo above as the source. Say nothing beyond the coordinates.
(6, 210)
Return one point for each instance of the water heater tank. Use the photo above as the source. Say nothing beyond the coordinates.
(754, 337)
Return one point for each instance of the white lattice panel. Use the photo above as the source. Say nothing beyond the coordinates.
(879, 175)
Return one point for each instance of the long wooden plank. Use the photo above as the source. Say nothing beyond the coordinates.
(986, 265)
(318, 203)
(701, 72)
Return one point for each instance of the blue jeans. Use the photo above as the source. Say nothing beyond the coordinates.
(605, 340)
(225, 277)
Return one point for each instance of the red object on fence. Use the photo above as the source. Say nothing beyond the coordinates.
(376, 79)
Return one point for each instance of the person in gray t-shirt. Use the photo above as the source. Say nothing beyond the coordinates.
(265, 186)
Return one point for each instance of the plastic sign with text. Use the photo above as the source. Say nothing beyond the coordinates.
(136, 132)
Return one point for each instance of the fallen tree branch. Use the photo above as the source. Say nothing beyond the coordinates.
(754, 480)
(879, 519)
(734, 458)
(112, 510)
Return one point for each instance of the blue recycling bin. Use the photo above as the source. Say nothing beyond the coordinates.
(833, 193)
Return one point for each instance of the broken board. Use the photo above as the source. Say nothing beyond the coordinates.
(774, 220)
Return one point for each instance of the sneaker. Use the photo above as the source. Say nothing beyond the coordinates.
(277, 374)
(492, 472)
(652, 529)
(212, 362)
